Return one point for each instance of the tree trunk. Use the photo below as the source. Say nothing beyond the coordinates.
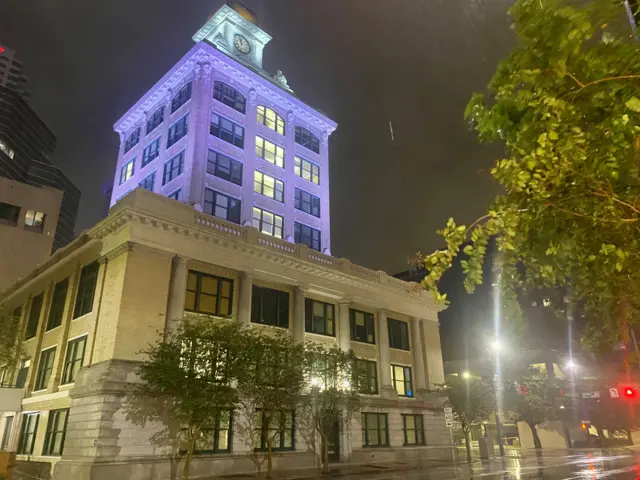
(629, 437)
(467, 442)
(325, 454)
(536, 438)
(187, 461)
(269, 459)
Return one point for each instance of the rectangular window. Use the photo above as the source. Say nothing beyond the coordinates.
(307, 203)
(307, 139)
(270, 307)
(175, 195)
(149, 182)
(319, 317)
(23, 372)
(270, 152)
(182, 97)
(375, 431)
(6, 434)
(209, 294)
(401, 380)
(398, 334)
(28, 433)
(132, 140)
(307, 170)
(58, 300)
(126, 171)
(362, 326)
(267, 222)
(45, 367)
(413, 427)
(34, 316)
(86, 289)
(9, 214)
(178, 130)
(224, 167)
(156, 119)
(74, 359)
(56, 431)
(226, 130)
(307, 236)
(173, 168)
(222, 206)
(216, 438)
(281, 430)
(151, 152)
(268, 186)
(34, 221)
(368, 373)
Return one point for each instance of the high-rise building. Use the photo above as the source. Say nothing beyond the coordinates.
(26, 148)
(11, 74)
(220, 133)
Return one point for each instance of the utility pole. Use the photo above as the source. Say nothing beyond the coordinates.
(631, 6)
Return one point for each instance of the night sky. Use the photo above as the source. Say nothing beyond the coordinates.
(363, 62)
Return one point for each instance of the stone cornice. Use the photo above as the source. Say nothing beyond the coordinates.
(202, 53)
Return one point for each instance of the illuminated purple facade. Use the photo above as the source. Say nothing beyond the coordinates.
(221, 134)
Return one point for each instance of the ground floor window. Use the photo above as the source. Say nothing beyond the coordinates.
(413, 426)
(28, 433)
(6, 436)
(375, 432)
(217, 437)
(56, 431)
(281, 430)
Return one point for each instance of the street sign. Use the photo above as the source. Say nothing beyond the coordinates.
(614, 393)
(448, 410)
(448, 418)
(590, 394)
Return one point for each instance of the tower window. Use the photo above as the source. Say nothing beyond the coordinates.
(307, 170)
(267, 222)
(307, 139)
(307, 203)
(133, 140)
(173, 168)
(149, 182)
(227, 130)
(126, 171)
(34, 221)
(151, 152)
(268, 186)
(224, 167)
(222, 206)
(229, 96)
(9, 214)
(270, 119)
(270, 152)
(182, 97)
(178, 130)
(307, 235)
(156, 119)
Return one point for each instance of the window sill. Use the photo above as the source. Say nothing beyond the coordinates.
(400, 349)
(279, 327)
(414, 445)
(82, 316)
(52, 329)
(67, 386)
(321, 335)
(42, 390)
(363, 342)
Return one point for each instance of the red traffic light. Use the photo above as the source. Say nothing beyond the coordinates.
(629, 392)
(584, 426)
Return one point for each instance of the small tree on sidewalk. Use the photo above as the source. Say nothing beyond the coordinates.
(188, 383)
(529, 401)
(472, 401)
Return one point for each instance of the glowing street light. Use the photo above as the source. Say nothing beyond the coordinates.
(466, 375)
(496, 346)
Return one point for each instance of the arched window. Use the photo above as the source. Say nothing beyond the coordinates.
(270, 119)
(229, 96)
(307, 139)
(182, 97)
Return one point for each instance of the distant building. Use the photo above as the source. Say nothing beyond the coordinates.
(26, 148)
(11, 74)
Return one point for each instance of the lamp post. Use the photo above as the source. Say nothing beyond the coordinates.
(498, 388)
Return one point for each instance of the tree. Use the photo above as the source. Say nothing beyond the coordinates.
(529, 401)
(270, 390)
(333, 398)
(472, 401)
(566, 106)
(10, 338)
(188, 379)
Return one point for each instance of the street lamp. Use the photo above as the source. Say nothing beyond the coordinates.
(466, 375)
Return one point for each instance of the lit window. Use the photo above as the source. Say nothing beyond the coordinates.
(132, 140)
(126, 171)
(267, 222)
(151, 152)
(270, 119)
(28, 433)
(268, 186)
(398, 334)
(224, 167)
(281, 428)
(149, 182)
(45, 366)
(208, 294)
(307, 139)
(181, 97)
(413, 427)
(229, 96)
(270, 307)
(227, 130)
(270, 151)
(175, 195)
(73, 359)
(34, 221)
(173, 168)
(401, 380)
(307, 170)
(362, 326)
(222, 206)
(4, 147)
(178, 130)
(307, 236)
(56, 432)
(156, 119)
(319, 317)
(307, 203)
(368, 374)
(374, 429)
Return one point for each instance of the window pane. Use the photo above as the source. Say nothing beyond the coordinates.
(207, 304)
(209, 285)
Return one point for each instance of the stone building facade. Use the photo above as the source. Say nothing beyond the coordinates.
(98, 302)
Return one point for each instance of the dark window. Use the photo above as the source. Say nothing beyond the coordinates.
(307, 170)
(173, 168)
(34, 221)
(58, 300)
(127, 170)
(216, 438)
(74, 359)
(307, 203)
(45, 366)
(34, 316)
(56, 431)
(281, 430)
(182, 97)
(401, 380)
(178, 130)
(368, 373)
(151, 152)
(362, 326)
(86, 289)
(398, 334)
(374, 429)
(224, 167)
(307, 139)
(209, 294)
(226, 130)
(222, 206)
(132, 140)
(306, 235)
(413, 427)
(319, 317)
(6, 435)
(267, 222)
(21, 378)
(9, 214)
(149, 182)
(175, 195)
(229, 96)
(270, 307)
(268, 186)
(28, 433)
(156, 119)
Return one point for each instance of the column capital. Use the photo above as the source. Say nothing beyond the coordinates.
(383, 312)
(180, 260)
(345, 301)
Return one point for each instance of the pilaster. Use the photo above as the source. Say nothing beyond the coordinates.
(177, 292)
(246, 293)
(386, 389)
(249, 158)
(344, 337)
(417, 355)
(298, 315)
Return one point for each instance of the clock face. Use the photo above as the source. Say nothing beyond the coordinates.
(241, 43)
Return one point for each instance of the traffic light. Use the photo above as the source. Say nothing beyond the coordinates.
(585, 425)
(524, 390)
(629, 392)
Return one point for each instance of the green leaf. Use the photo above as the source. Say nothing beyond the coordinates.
(633, 104)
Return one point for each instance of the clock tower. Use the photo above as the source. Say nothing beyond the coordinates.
(234, 30)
